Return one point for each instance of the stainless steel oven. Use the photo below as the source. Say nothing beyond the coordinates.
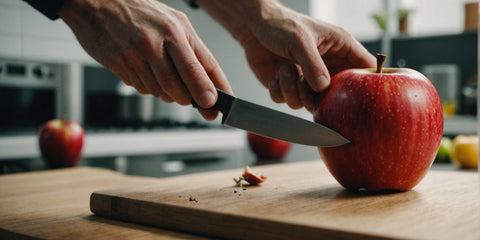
(33, 92)
(28, 94)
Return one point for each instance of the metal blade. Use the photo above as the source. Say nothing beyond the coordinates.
(271, 123)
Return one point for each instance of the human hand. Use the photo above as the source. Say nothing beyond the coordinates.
(150, 46)
(292, 54)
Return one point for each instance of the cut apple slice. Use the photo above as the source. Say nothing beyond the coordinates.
(250, 177)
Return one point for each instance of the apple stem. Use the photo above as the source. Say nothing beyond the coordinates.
(380, 61)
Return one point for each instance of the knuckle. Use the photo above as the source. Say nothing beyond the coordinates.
(157, 92)
(294, 105)
(184, 101)
(293, 101)
(210, 64)
(343, 32)
(297, 40)
(181, 16)
(175, 24)
(299, 34)
(164, 97)
(167, 83)
(172, 87)
(192, 68)
(142, 90)
(145, 40)
(276, 97)
(340, 35)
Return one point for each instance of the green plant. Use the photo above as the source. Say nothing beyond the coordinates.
(403, 13)
(381, 20)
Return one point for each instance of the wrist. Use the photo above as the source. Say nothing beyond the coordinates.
(75, 13)
(70, 10)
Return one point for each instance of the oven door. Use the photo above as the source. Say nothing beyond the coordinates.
(24, 110)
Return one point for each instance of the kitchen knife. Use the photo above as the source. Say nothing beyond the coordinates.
(264, 121)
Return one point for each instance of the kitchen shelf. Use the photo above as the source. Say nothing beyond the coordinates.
(466, 125)
(134, 143)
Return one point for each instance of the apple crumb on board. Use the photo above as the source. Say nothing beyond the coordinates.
(235, 191)
(192, 199)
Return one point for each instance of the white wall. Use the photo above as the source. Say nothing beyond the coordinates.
(428, 17)
(25, 33)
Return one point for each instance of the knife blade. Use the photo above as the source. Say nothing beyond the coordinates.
(271, 123)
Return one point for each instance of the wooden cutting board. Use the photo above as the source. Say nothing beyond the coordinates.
(299, 201)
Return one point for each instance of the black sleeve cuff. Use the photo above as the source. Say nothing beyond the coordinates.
(192, 3)
(49, 8)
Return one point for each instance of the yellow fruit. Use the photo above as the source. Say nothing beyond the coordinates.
(465, 151)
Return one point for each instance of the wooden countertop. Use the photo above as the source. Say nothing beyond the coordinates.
(55, 204)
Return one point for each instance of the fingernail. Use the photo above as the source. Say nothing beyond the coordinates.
(321, 83)
(207, 99)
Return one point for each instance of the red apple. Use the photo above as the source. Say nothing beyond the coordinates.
(61, 143)
(394, 121)
(266, 148)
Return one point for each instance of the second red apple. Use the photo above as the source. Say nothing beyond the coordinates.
(61, 143)
(266, 148)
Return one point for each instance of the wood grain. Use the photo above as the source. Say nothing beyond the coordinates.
(55, 205)
(299, 201)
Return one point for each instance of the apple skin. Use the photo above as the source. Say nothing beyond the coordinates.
(61, 143)
(394, 121)
(266, 148)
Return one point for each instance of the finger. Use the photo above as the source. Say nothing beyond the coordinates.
(214, 72)
(211, 66)
(137, 82)
(275, 91)
(128, 75)
(263, 62)
(124, 72)
(359, 56)
(208, 115)
(147, 78)
(288, 78)
(169, 80)
(307, 95)
(192, 72)
(305, 53)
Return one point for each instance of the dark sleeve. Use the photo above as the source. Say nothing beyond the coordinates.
(192, 3)
(49, 8)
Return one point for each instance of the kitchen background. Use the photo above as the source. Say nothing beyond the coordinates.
(44, 72)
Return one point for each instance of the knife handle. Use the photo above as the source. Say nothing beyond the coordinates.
(223, 104)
